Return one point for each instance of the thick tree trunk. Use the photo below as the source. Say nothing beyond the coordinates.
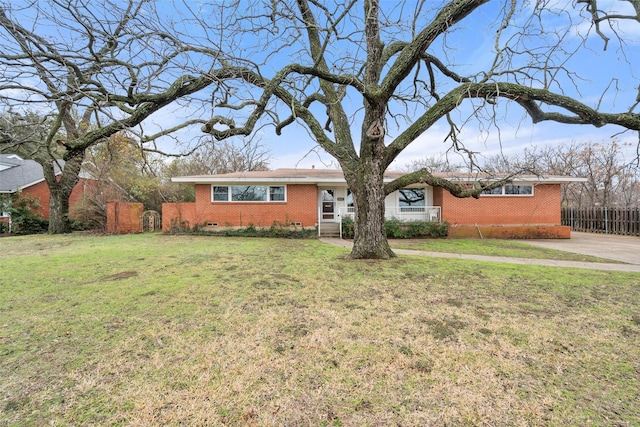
(59, 211)
(61, 189)
(370, 239)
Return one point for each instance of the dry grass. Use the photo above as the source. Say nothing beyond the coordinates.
(158, 330)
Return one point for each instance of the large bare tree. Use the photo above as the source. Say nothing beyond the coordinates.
(367, 78)
(84, 71)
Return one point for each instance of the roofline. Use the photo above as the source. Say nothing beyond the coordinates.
(22, 187)
(527, 179)
(213, 179)
(319, 180)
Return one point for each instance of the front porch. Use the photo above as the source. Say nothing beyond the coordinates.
(329, 228)
(402, 213)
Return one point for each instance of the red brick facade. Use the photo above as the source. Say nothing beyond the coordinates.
(300, 207)
(178, 215)
(543, 208)
(124, 218)
(40, 192)
(536, 216)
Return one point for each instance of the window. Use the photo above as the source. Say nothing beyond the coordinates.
(248, 193)
(276, 194)
(411, 197)
(350, 199)
(510, 190)
(221, 194)
(518, 189)
(493, 192)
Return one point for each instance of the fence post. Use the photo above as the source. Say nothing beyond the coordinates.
(606, 221)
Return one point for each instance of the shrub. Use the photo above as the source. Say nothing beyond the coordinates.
(277, 229)
(179, 226)
(89, 214)
(348, 227)
(421, 229)
(438, 229)
(24, 216)
(396, 229)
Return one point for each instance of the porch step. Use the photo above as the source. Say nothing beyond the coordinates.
(329, 229)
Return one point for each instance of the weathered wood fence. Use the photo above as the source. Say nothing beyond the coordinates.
(603, 220)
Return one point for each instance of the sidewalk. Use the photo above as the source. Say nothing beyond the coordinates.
(633, 268)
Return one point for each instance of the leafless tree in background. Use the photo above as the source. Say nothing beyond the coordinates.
(613, 180)
(224, 157)
(89, 70)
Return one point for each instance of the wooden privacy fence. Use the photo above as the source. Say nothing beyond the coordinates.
(603, 220)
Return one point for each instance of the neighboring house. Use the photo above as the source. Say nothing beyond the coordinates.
(527, 208)
(25, 177)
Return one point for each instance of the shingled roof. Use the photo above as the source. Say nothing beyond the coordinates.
(17, 173)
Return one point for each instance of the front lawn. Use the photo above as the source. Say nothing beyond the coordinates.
(195, 330)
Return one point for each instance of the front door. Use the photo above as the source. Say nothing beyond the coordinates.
(327, 204)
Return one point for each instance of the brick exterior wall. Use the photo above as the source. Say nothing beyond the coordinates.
(40, 192)
(536, 216)
(177, 215)
(301, 207)
(124, 218)
(504, 216)
(543, 208)
(510, 232)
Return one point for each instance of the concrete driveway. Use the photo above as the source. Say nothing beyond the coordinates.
(617, 248)
(610, 246)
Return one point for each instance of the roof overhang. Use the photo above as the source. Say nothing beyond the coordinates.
(253, 178)
(523, 179)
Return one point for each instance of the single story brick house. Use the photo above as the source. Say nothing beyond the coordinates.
(527, 208)
(23, 177)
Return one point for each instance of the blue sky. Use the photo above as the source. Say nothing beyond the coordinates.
(513, 131)
(471, 47)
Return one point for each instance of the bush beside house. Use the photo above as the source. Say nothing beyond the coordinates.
(396, 229)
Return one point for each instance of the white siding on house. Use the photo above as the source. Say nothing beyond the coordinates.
(392, 206)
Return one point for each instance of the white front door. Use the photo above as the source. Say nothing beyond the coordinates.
(327, 204)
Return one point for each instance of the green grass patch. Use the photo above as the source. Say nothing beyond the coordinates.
(196, 330)
(493, 247)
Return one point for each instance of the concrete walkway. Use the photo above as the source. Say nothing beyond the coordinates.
(617, 248)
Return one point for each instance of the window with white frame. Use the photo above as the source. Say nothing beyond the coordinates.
(5, 205)
(276, 193)
(411, 199)
(248, 193)
(510, 190)
(350, 203)
(220, 193)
